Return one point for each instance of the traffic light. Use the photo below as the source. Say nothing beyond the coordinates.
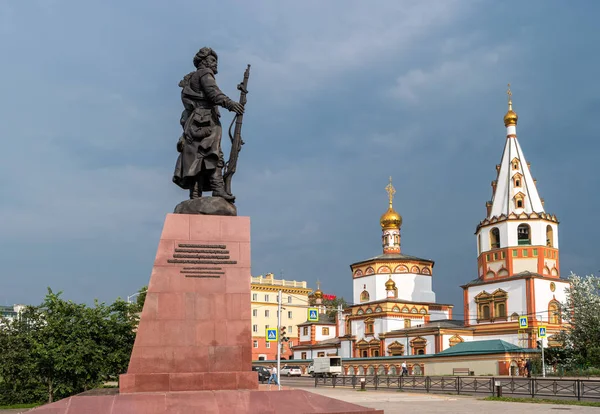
(539, 344)
(282, 334)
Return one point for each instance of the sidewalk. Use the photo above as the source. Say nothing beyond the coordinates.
(395, 402)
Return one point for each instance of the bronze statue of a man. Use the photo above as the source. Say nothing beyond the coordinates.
(200, 162)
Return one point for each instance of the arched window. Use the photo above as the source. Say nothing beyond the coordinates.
(524, 235)
(381, 370)
(418, 345)
(554, 312)
(485, 312)
(514, 316)
(364, 296)
(501, 310)
(495, 238)
(549, 236)
(396, 349)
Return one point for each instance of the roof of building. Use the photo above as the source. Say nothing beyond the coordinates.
(332, 342)
(522, 275)
(395, 257)
(393, 300)
(491, 346)
(324, 319)
(442, 323)
(514, 180)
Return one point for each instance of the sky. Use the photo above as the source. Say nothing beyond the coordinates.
(342, 95)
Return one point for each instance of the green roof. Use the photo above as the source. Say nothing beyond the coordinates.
(492, 346)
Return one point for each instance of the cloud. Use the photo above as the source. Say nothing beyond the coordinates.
(314, 47)
(470, 73)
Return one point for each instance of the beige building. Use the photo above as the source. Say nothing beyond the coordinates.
(264, 291)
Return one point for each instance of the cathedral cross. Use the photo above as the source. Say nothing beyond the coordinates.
(391, 191)
(318, 285)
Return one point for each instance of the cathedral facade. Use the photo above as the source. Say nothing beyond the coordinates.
(518, 288)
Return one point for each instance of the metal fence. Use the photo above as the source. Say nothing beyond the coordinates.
(581, 389)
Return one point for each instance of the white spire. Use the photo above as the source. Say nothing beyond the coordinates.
(515, 190)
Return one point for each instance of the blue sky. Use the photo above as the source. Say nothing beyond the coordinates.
(343, 94)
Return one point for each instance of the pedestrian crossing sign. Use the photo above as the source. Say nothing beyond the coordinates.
(313, 315)
(272, 335)
(523, 322)
(542, 331)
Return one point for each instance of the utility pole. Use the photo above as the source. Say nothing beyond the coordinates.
(279, 340)
(543, 361)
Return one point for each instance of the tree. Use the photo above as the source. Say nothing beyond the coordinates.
(331, 303)
(140, 299)
(61, 348)
(581, 312)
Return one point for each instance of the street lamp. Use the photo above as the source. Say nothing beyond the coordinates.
(132, 296)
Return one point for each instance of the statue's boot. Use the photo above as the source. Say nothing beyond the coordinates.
(196, 190)
(218, 186)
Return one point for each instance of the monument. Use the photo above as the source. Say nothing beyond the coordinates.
(192, 352)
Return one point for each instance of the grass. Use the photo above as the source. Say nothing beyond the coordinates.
(8, 407)
(543, 401)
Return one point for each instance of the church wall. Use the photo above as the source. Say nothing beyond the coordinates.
(446, 339)
(367, 283)
(430, 347)
(516, 300)
(346, 349)
(303, 337)
(438, 315)
(479, 367)
(543, 295)
(358, 329)
(390, 324)
(320, 336)
(550, 263)
(411, 287)
(522, 265)
(508, 233)
(510, 338)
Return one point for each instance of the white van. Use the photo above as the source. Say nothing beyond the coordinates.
(325, 366)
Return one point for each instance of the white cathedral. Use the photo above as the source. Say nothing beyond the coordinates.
(395, 311)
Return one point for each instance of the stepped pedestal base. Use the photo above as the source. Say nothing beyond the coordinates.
(205, 402)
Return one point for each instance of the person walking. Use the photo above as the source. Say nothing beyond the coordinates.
(273, 376)
(404, 369)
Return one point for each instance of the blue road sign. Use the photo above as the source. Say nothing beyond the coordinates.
(313, 314)
(272, 335)
(542, 331)
(523, 322)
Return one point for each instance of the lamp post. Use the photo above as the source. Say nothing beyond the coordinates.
(132, 296)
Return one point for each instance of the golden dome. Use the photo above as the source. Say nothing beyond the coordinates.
(511, 116)
(318, 294)
(390, 284)
(390, 218)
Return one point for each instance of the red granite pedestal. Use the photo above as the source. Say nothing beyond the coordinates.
(192, 352)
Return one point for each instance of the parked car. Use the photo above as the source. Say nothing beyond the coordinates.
(291, 371)
(263, 372)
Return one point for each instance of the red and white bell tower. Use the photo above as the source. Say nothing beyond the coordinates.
(517, 235)
(518, 257)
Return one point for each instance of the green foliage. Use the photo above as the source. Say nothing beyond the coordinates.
(61, 348)
(582, 314)
(140, 299)
(331, 304)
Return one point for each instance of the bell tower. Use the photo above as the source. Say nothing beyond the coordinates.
(517, 234)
